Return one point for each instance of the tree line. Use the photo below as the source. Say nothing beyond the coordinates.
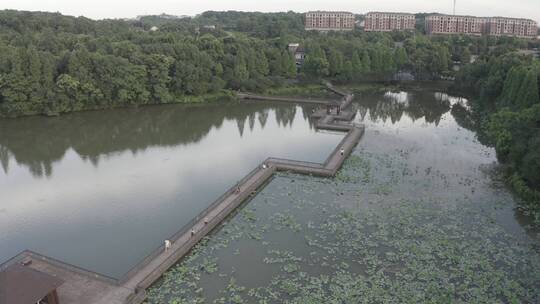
(506, 105)
(50, 63)
(54, 63)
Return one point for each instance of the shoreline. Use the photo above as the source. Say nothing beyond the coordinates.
(308, 89)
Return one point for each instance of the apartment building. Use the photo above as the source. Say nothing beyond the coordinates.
(329, 21)
(500, 26)
(387, 22)
(470, 25)
(449, 24)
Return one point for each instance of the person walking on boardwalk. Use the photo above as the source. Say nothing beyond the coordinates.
(342, 151)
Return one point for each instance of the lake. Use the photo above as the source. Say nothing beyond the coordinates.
(102, 190)
(418, 214)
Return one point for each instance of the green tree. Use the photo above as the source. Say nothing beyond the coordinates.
(288, 65)
(315, 66)
(158, 79)
(528, 91)
(401, 58)
(466, 56)
(241, 72)
(366, 62)
(376, 60)
(261, 63)
(512, 86)
(357, 67)
(335, 62)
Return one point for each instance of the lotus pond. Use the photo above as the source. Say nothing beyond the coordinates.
(417, 214)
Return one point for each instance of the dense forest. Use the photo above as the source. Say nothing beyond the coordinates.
(506, 110)
(50, 63)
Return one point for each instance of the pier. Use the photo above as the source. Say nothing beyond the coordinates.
(85, 287)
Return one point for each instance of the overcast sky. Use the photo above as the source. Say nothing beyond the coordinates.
(99, 9)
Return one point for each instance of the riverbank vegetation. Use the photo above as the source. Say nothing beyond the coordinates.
(506, 108)
(50, 63)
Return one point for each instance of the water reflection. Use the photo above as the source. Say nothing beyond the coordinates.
(416, 105)
(417, 194)
(97, 134)
(464, 117)
(122, 181)
(38, 142)
(128, 179)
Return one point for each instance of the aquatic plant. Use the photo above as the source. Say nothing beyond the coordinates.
(388, 229)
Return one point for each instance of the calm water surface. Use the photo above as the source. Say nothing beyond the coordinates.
(416, 215)
(102, 189)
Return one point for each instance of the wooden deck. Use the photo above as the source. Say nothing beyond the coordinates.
(84, 287)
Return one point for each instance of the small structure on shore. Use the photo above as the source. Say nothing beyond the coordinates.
(23, 285)
(298, 52)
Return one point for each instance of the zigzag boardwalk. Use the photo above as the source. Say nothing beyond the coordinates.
(132, 287)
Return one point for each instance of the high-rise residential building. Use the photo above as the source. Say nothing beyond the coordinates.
(494, 26)
(500, 26)
(329, 21)
(387, 22)
(449, 24)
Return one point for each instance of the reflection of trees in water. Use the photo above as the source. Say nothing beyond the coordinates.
(263, 117)
(285, 116)
(4, 158)
(37, 142)
(392, 106)
(452, 100)
(251, 120)
(467, 119)
(463, 117)
(241, 123)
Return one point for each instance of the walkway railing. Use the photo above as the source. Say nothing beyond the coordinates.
(149, 269)
(185, 229)
(249, 186)
(294, 162)
(300, 166)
